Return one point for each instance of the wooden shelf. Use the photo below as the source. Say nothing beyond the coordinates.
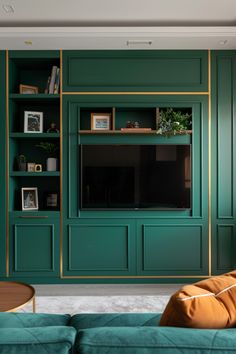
(34, 135)
(33, 97)
(119, 132)
(34, 174)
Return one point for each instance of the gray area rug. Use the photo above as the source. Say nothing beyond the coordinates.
(98, 304)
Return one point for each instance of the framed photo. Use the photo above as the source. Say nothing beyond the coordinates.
(33, 122)
(29, 198)
(29, 90)
(52, 200)
(31, 167)
(100, 121)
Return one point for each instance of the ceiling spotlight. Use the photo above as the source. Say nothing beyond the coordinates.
(139, 42)
(223, 42)
(8, 8)
(28, 42)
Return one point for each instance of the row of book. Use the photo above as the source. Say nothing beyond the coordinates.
(53, 82)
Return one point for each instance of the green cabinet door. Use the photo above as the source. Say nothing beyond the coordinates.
(34, 247)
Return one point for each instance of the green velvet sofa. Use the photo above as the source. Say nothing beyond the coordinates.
(24, 333)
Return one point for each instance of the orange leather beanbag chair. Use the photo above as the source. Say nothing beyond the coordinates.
(209, 303)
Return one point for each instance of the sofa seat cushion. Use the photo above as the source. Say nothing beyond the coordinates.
(37, 340)
(25, 320)
(92, 320)
(208, 303)
(158, 340)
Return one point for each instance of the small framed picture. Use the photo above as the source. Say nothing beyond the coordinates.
(29, 90)
(100, 121)
(52, 201)
(33, 122)
(29, 198)
(31, 167)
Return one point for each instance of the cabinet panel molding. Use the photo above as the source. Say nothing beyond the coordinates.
(172, 248)
(135, 71)
(34, 248)
(99, 247)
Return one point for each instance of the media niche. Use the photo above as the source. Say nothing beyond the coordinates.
(118, 177)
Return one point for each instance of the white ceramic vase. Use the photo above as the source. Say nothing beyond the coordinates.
(51, 164)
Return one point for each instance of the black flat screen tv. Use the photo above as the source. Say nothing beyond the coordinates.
(135, 177)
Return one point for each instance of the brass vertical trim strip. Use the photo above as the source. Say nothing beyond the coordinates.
(7, 163)
(209, 169)
(61, 173)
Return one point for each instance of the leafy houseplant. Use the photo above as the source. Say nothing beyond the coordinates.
(51, 150)
(173, 122)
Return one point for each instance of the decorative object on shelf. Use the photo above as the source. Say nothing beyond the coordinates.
(131, 124)
(38, 168)
(53, 81)
(33, 122)
(52, 200)
(100, 121)
(31, 166)
(53, 128)
(174, 122)
(29, 90)
(51, 150)
(21, 161)
(29, 198)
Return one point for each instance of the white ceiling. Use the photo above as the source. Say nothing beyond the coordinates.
(111, 24)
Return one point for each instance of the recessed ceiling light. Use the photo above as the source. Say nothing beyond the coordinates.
(8, 8)
(223, 42)
(139, 42)
(28, 42)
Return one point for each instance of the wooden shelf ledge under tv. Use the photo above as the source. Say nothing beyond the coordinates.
(133, 131)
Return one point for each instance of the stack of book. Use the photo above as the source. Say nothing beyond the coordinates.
(53, 82)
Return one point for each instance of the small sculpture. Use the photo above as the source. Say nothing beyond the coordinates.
(53, 128)
(21, 160)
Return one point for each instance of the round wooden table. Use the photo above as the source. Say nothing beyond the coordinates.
(14, 295)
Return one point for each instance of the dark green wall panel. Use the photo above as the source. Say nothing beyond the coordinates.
(223, 161)
(225, 138)
(135, 70)
(172, 248)
(225, 247)
(3, 163)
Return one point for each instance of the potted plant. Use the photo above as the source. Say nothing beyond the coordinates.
(51, 150)
(174, 122)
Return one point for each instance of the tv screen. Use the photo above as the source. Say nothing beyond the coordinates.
(135, 177)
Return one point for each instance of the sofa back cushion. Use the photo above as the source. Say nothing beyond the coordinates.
(92, 320)
(26, 320)
(209, 303)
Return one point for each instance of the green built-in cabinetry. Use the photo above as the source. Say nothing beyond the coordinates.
(34, 232)
(223, 160)
(72, 243)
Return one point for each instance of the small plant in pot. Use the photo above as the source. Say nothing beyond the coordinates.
(51, 150)
(174, 122)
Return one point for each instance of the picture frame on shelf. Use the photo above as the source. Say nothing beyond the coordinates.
(31, 166)
(100, 121)
(51, 200)
(33, 122)
(29, 198)
(28, 90)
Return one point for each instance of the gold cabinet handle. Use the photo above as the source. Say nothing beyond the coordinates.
(33, 216)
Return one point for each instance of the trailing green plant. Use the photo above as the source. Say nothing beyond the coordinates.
(173, 122)
(49, 148)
